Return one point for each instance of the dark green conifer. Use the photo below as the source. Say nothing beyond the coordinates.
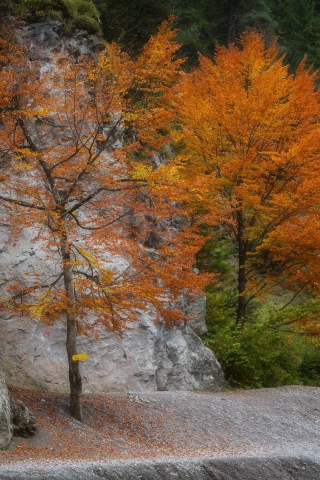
(300, 31)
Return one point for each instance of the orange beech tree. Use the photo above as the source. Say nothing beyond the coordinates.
(66, 173)
(249, 160)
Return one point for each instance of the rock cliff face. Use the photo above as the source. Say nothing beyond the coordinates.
(5, 422)
(149, 357)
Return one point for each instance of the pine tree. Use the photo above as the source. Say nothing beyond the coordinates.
(258, 14)
(299, 22)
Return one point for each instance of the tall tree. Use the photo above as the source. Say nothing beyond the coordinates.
(250, 163)
(66, 175)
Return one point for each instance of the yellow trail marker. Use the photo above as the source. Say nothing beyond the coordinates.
(81, 356)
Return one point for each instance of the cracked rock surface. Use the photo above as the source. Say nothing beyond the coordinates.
(5, 423)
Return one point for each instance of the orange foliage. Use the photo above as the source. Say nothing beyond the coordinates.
(250, 134)
(67, 175)
(64, 162)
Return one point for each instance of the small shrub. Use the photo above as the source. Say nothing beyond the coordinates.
(258, 355)
(309, 367)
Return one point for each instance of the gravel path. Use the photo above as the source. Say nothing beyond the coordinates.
(267, 434)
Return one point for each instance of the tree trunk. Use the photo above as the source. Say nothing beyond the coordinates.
(231, 23)
(71, 344)
(242, 274)
(241, 310)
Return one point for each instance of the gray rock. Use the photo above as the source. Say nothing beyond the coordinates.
(195, 308)
(241, 468)
(149, 357)
(5, 424)
(24, 423)
(47, 37)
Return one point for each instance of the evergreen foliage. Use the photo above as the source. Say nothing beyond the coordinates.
(201, 25)
(258, 14)
(300, 31)
(131, 22)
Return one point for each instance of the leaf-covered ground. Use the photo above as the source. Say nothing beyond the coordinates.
(169, 426)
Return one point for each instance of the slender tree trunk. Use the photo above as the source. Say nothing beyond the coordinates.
(242, 274)
(242, 283)
(230, 23)
(71, 344)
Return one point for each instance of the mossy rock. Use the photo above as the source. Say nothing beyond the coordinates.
(81, 14)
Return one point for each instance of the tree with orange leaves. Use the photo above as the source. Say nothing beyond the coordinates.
(66, 174)
(250, 160)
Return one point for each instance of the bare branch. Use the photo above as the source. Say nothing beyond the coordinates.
(101, 226)
(22, 203)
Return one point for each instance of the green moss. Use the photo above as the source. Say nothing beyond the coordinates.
(80, 14)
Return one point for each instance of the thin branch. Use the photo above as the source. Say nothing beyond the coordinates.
(294, 297)
(22, 203)
(102, 226)
(93, 195)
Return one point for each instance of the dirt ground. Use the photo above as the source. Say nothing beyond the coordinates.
(179, 426)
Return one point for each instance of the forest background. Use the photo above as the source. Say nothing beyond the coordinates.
(267, 351)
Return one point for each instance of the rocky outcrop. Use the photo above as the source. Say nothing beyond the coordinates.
(5, 423)
(24, 423)
(149, 357)
(48, 37)
(195, 308)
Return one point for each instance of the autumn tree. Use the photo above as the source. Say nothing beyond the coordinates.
(249, 139)
(66, 174)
